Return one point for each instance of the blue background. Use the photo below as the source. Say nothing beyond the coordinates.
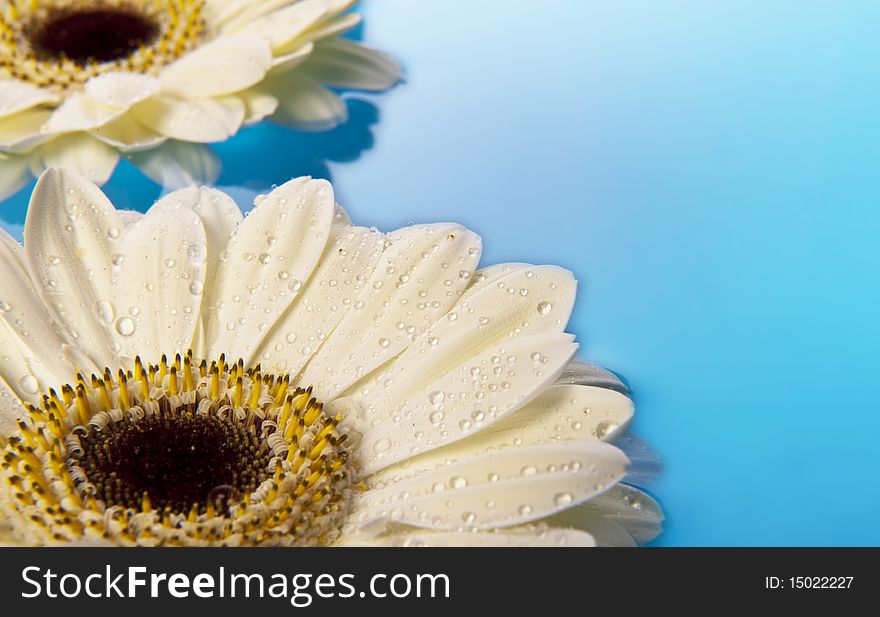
(710, 172)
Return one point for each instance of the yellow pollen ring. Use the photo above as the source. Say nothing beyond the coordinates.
(301, 498)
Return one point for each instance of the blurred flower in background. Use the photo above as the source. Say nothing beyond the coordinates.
(85, 82)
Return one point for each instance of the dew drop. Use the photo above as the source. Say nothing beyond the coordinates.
(458, 482)
(384, 342)
(605, 428)
(125, 326)
(383, 445)
(562, 499)
(525, 510)
(437, 397)
(105, 312)
(544, 307)
(196, 288)
(29, 384)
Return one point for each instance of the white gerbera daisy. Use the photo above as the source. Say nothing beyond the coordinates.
(190, 376)
(83, 80)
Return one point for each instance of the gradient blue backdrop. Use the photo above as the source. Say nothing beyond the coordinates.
(710, 172)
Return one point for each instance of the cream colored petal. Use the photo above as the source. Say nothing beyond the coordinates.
(177, 164)
(128, 135)
(11, 409)
(502, 489)
(17, 95)
(198, 120)
(258, 105)
(588, 374)
(23, 130)
(549, 538)
(80, 112)
(28, 320)
(16, 371)
(285, 62)
(283, 25)
(80, 153)
(225, 65)
(220, 217)
(121, 90)
(421, 274)
(324, 30)
(523, 303)
(559, 413)
(468, 397)
(341, 63)
(71, 234)
(158, 279)
(128, 217)
(349, 259)
(304, 103)
(636, 512)
(280, 241)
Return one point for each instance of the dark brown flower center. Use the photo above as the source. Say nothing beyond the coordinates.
(179, 460)
(92, 34)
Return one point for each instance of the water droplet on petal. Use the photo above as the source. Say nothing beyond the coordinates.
(544, 307)
(125, 326)
(29, 384)
(605, 428)
(562, 499)
(383, 445)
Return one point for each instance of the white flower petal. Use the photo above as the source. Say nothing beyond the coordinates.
(559, 413)
(21, 131)
(225, 65)
(470, 396)
(70, 236)
(345, 64)
(285, 62)
(419, 277)
(282, 26)
(199, 120)
(129, 216)
(258, 105)
(177, 164)
(80, 112)
(27, 319)
(636, 512)
(158, 279)
(286, 233)
(11, 409)
(521, 485)
(550, 538)
(324, 30)
(304, 103)
(349, 259)
(128, 135)
(490, 274)
(523, 303)
(588, 374)
(121, 90)
(220, 217)
(80, 153)
(15, 367)
(17, 95)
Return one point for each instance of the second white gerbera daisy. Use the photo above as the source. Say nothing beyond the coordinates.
(82, 81)
(191, 377)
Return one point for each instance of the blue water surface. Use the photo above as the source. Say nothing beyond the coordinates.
(709, 170)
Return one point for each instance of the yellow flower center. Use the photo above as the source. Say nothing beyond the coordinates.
(61, 44)
(179, 454)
